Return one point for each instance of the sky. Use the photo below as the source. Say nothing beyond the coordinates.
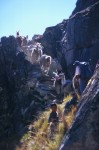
(31, 17)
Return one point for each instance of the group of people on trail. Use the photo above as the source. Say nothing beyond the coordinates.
(63, 86)
(81, 77)
(78, 83)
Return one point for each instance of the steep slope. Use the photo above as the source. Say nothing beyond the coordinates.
(76, 38)
(83, 4)
(51, 40)
(81, 40)
(84, 132)
(24, 89)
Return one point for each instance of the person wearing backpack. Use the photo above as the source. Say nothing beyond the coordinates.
(82, 69)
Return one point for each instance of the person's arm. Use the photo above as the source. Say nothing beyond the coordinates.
(49, 119)
(57, 119)
(73, 82)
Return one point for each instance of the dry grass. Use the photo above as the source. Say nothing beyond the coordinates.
(38, 137)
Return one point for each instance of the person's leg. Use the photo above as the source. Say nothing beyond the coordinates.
(82, 85)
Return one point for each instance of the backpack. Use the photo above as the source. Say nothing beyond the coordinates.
(85, 70)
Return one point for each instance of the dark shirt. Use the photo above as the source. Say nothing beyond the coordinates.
(73, 101)
(53, 117)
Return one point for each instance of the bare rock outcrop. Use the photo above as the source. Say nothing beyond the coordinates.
(24, 89)
(76, 38)
(81, 40)
(84, 131)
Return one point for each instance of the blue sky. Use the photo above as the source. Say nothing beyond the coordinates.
(32, 16)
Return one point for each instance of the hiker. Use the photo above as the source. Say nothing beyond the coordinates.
(82, 74)
(53, 118)
(68, 107)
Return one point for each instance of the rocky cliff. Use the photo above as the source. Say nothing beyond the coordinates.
(84, 131)
(51, 40)
(76, 38)
(24, 89)
(79, 40)
(83, 4)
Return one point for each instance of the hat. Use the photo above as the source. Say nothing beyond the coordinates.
(76, 63)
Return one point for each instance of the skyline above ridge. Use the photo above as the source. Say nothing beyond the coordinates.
(32, 17)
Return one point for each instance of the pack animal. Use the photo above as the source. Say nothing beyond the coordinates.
(36, 55)
(55, 66)
(45, 62)
(18, 39)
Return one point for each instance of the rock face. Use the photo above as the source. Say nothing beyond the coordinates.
(82, 34)
(51, 40)
(76, 38)
(24, 90)
(23, 87)
(83, 4)
(84, 131)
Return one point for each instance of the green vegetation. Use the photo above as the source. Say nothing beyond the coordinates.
(38, 136)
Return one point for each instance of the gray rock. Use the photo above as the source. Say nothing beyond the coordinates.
(23, 88)
(84, 131)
